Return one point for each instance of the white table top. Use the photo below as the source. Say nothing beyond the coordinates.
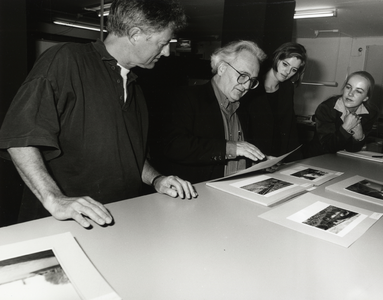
(216, 247)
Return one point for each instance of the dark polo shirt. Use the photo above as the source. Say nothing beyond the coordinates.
(71, 106)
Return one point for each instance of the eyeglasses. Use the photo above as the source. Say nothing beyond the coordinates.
(243, 79)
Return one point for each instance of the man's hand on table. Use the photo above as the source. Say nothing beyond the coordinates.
(174, 186)
(78, 208)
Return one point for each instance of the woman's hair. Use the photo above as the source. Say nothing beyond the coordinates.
(230, 52)
(366, 76)
(289, 50)
(148, 15)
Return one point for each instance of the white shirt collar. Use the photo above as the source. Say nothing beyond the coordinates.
(339, 106)
(124, 72)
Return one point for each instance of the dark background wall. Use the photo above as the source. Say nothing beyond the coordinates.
(269, 23)
(13, 70)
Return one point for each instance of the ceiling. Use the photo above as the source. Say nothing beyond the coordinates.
(355, 18)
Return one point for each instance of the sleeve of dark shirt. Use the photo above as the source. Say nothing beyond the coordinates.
(32, 119)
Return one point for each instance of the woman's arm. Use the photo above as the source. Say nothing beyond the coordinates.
(362, 130)
(332, 135)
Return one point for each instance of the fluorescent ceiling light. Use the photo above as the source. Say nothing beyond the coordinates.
(97, 9)
(322, 13)
(321, 83)
(76, 25)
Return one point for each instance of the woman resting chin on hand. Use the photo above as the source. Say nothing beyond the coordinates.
(344, 121)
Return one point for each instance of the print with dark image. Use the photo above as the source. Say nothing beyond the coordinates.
(309, 174)
(368, 188)
(330, 217)
(267, 186)
(41, 273)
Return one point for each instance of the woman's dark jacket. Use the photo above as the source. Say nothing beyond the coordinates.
(330, 136)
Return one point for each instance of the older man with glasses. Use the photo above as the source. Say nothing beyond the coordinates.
(206, 138)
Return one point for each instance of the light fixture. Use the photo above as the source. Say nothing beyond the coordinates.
(97, 9)
(321, 83)
(317, 32)
(319, 13)
(77, 25)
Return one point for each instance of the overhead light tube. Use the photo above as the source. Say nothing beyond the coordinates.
(75, 25)
(98, 9)
(307, 14)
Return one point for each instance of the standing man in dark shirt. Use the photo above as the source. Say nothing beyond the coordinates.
(77, 128)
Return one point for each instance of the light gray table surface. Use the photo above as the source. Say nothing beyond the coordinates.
(216, 247)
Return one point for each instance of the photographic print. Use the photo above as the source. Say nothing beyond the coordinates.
(323, 218)
(266, 187)
(309, 174)
(301, 173)
(332, 219)
(368, 188)
(360, 188)
(262, 189)
(35, 276)
(367, 155)
(50, 268)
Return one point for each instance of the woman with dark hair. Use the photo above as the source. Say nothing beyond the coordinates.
(344, 121)
(271, 105)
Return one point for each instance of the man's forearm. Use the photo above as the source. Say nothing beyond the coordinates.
(30, 165)
(148, 173)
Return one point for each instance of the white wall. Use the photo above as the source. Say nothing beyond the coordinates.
(329, 59)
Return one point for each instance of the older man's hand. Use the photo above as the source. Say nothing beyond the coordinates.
(174, 186)
(249, 150)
